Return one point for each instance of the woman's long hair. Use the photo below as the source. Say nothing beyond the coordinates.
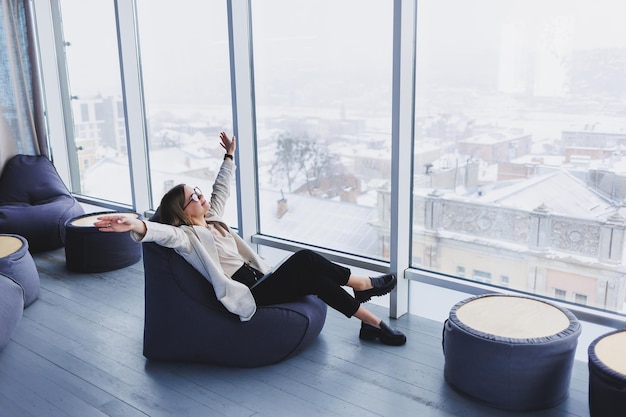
(171, 208)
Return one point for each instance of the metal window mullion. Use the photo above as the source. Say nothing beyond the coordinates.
(242, 87)
(136, 136)
(404, 25)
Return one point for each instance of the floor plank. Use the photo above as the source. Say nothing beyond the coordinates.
(78, 352)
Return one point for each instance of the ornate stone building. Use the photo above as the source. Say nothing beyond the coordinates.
(550, 236)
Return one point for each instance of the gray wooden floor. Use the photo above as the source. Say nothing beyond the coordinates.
(78, 352)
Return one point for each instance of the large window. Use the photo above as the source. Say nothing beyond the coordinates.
(97, 140)
(520, 145)
(322, 73)
(186, 79)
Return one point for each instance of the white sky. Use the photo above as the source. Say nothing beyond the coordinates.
(467, 31)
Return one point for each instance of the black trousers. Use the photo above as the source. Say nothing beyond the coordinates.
(307, 273)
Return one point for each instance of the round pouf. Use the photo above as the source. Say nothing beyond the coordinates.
(11, 307)
(607, 375)
(17, 263)
(512, 352)
(89, 250)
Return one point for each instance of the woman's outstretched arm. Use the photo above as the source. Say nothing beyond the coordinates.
(120, 223)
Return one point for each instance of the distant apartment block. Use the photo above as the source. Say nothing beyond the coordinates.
(589, 137)
(99, 126)
(496, 146)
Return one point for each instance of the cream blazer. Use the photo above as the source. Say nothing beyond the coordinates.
(196, 245)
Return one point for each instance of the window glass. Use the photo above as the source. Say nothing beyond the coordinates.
(98, 145)
(580, 299)
(504, 280)
(520, 145)
(482, 276)
(323, 113)
(186, 78)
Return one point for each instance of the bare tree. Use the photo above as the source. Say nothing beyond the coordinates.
(287, 158)
(302, 156)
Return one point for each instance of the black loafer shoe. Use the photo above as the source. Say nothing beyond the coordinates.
(381, 286)
(387, 335)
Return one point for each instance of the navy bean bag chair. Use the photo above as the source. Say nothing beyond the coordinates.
(184, 321)
(11, 307)
(35, 203)
(511, 352)
(19, 283)
(607, 375)
(17, 263)
(89, 250)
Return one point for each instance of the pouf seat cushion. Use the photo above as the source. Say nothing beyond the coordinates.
(184, 321)
(17, 263)
(89, 250)
(511, 352)
(35, 203)
(607, 375)
(11, 307)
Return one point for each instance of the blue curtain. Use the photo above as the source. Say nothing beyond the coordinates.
(18, 83)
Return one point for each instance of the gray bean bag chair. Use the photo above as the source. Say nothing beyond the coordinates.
(184, 321)
(35, 203)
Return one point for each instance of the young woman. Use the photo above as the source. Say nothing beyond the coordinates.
(192, 226)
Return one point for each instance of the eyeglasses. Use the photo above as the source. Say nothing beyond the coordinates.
(195, 196)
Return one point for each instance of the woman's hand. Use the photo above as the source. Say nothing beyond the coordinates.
(230, 145)
(120, 223)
